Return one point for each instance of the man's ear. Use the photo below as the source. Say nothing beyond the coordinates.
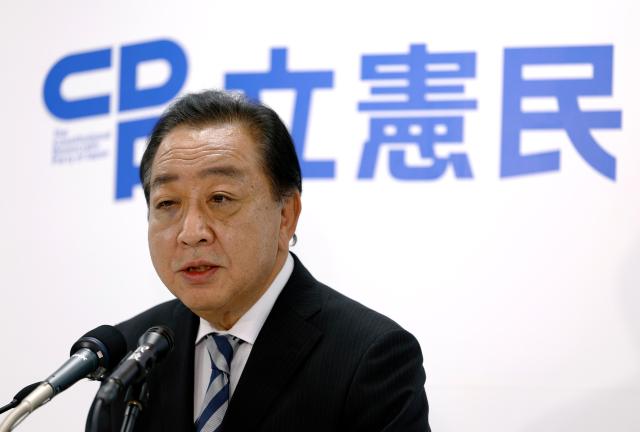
(289, 214)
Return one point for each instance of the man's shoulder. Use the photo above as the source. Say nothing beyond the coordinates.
(346, 314)
(339, 315)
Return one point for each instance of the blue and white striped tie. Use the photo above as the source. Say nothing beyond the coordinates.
(216, 400)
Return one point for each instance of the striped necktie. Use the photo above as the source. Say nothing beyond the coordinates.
(216, 399)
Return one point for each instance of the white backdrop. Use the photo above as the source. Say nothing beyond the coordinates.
(523, 291)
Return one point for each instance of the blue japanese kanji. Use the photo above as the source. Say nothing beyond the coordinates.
(568, 117)
(419, 71)
(303, 83)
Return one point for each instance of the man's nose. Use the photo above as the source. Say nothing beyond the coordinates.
(195, 231)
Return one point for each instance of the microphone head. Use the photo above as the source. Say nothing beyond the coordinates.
(107, 342)
(153, 346)
(161, 338)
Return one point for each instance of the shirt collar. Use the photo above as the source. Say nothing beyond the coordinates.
(250, 324)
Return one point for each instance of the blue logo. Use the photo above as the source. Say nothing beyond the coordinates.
(416, 107)
(129, 95)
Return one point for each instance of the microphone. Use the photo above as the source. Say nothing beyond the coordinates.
(153, 346)
(92, 356)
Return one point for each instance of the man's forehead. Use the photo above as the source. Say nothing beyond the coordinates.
(191, 141)
(226, 171)
(225, 150)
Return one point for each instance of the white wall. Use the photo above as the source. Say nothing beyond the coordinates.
(523, 291)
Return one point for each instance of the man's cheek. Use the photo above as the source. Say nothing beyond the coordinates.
(161, 236)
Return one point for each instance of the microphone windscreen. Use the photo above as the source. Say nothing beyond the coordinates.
(166, 335)
(106, 340)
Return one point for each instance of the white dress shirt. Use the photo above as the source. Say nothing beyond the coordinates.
(246, 328)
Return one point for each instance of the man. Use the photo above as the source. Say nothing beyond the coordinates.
(260, 344)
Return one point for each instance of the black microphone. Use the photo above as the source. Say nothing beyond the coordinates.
(153, 346)
(92, 356)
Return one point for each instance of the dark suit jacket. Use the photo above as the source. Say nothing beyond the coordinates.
(322, 362)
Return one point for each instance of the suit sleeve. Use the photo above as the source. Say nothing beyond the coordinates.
(387, 392)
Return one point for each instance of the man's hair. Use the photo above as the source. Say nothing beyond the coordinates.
(215, 107)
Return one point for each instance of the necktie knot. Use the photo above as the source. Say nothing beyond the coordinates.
(221, 349)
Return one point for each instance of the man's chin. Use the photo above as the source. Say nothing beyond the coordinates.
(206, 309)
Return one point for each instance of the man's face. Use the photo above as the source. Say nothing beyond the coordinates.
(217, 236)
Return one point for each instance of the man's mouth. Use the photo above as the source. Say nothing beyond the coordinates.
(199, 272)
(198, 269)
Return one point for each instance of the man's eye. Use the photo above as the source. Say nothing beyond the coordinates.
(165, 204)
(219, 199)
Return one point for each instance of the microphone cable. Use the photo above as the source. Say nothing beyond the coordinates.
(19, 396)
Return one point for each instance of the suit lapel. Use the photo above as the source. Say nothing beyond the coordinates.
(176, 385)
(285, 341)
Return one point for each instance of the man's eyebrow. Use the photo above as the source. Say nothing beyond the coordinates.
(163, 179)
(224, 171)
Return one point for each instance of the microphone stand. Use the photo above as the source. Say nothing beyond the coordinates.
(94, 423)
(135, 405)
